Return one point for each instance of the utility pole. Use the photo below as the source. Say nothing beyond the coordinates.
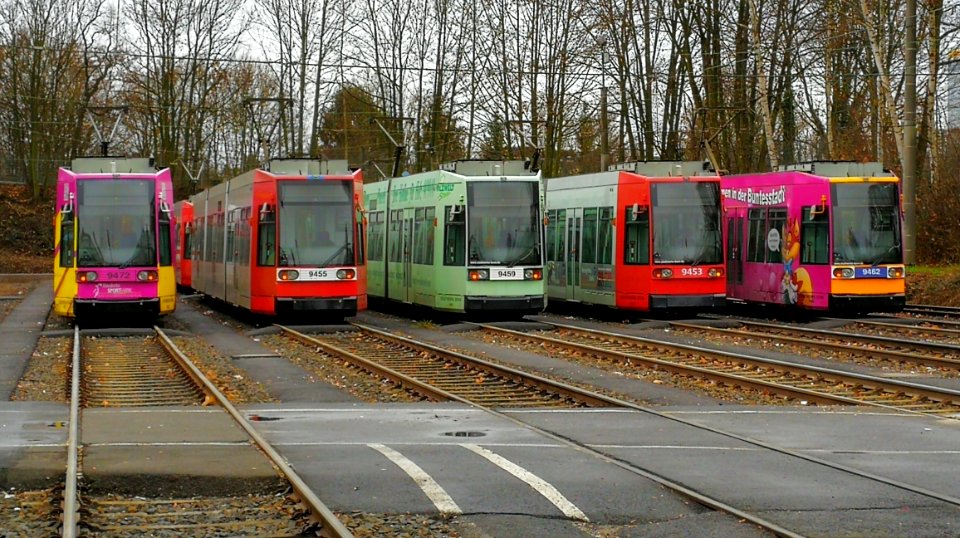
(910, 135)
(604, 127)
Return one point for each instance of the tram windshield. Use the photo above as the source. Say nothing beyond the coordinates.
(316, 223)
(686, 223)
(116, 223)
(866, 223)
(503, 223)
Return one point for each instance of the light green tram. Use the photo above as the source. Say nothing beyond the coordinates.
(466, 238)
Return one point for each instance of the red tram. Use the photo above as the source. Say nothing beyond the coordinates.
(286, 238)
(183, 211)
(644, 236)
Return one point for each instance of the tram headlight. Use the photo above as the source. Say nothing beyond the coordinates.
(478, 274)
(663, 273)
(715, 272)
(894, 272)
(289, 274)
(346, 274)
(86, 276)
(147, 276)
(843, 272)
(533, 274)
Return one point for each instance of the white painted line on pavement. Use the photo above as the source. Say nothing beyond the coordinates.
(539, 485)
(444, 503)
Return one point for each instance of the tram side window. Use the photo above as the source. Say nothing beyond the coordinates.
(376, 231)
(396, 217)
(777, 220)
(430, 224)
(166, 247)
(266, 239)
(552, 226)
(420, 236)
(637, 232)
(361, 238)
(454, 235)
(187, 244)
(605, 256)
(243, 235)
(757, 241)
(815, 238)
(589, 254)
(66, 241)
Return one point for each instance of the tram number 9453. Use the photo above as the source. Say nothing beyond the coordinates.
(691, 271)
(506, 274)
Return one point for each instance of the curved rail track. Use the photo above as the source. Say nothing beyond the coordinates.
(802, 382)
(151, 371)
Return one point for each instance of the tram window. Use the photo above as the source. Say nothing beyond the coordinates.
(396, 217)
(552, 226)
(361, 239)
(637, 236)
(429, 224)
(589, 254)
(267, 239)
(166, 254)
(66, 242)
(757, 240)
(376, 231)
(815, 239)
(420, 236)
(561, 235)
(776, 220)
(605, 256)
(454, 236)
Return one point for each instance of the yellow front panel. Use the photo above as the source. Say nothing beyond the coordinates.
(167, 289)
(868, 286)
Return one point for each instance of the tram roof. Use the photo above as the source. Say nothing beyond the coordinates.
(113, 165)
(838, 169)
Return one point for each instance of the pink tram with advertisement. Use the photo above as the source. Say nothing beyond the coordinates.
(818, 235)
(644, 236)
(113, 238)
(286, 238)
(183, 263)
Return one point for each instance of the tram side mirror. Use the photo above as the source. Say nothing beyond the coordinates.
(455, 210)
(634, 211)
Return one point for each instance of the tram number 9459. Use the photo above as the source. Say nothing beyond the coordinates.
(506, 274)
(691, 271)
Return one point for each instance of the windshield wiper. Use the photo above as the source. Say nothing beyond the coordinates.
(335, 254)
(523, 256)
(876, 261)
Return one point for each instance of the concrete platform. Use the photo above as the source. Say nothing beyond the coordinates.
(350, 453)
(32, 444)
(171, 452)
(19, 332)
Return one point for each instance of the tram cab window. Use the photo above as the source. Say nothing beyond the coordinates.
(636, 249)
(267, 237)
(815, 238)
(589, 253)
(66, 240)
(166, 247)
(454, 235)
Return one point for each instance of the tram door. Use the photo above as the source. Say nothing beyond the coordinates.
(407, 252)
(574, 220)
(734, 251)
(230, 260)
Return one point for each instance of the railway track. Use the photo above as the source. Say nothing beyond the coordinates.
(151, 372)
(443, 375)
(795, 381)
(368, 346)
(935, 310)
(896, 351)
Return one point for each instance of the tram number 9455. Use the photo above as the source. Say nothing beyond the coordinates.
(316, 274)
(691, 271)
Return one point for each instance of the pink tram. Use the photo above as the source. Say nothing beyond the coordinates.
(287, 238)
(644, 236)
(113, 239)
(818, 235)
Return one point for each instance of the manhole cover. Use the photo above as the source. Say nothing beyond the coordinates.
(464, 434)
